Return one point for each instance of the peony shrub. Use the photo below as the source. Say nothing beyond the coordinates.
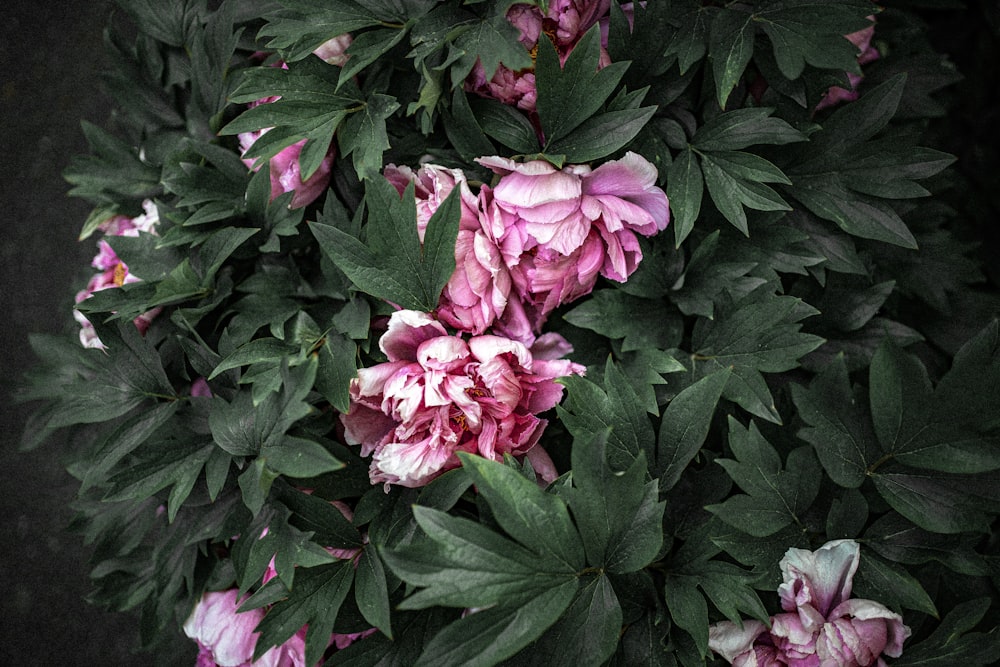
(574, 332)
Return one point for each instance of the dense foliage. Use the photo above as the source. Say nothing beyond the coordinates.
(807, 353)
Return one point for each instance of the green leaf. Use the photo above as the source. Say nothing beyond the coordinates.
(685, 426)
(760, 333)
(589, 411)
(571, 94)
(367, 47)
(371, 591)
(256, 351)
(309, 23)
(740, 128)
(337, 367)
(891, 585)
(812, 31)
(940, 503)
(730, 49)
(688, 609)
(393, 265)
(299, 457)
(839, 428)
(503, 123)
(465, 564)
(315, 601)
(489, 636)
(735, 180)
(900, 396)
(125, 439)
(684, 190)
(690, 40)
(534, 518)
(491, 40)
(642, 323)
(951, 643)
(617, 513)
(587, 633)
(774, 497)
(364, 135)
(601, 135)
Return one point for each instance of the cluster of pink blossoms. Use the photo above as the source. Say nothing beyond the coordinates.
(113, 272)
(539, 238)
(822, 625)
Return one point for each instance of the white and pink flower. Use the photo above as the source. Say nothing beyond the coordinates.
(439, 394)
(822, 625)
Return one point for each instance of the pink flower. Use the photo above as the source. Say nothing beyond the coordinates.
(476, 294)
(440, 394)
(559, 229)
(822, 626)
(334, 51)
(114, 272)
(226, 638)
(564, 24)
(866, 54)
(286, 175)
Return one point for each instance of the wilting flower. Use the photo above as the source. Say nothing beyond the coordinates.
(563, 25)
(559, 229)
(822, 625)
(226, 638)
(113, 271)
(476, 294)
(866, 54)
(440, 394)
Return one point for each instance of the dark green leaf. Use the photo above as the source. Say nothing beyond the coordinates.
(685, 426)
(536, 519)
(730, 49)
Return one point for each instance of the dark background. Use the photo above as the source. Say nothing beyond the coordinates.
(51, 55)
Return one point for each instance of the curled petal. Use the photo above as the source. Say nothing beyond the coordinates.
(407, 330)
(820, 578)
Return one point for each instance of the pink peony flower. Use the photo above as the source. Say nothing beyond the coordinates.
(226, 638)
(440, 394)
(866, 54)
(114, 272)
(286, 175)
(476, 294)
(334, 51)
(564, 24)
(559, 229)
(822, 626)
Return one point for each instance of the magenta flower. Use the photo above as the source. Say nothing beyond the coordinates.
(559, 229)
(866, 54)
(440, 394)
(822, 625)
(477, 292)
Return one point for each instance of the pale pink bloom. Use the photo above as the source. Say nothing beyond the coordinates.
(822, 625)
(333, 51)
(559, 229)
(867, 53)
(440, 394)
(477, 292)
(226, 638)
(200, 388)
